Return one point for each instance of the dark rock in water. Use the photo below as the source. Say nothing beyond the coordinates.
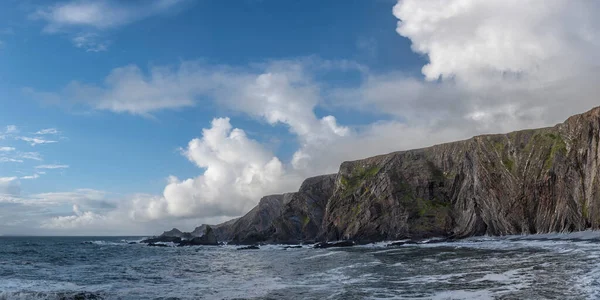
(157, 245)
(397, 244)
(173, 233)
(437, 241)
(325, 245)
(132, 243)
(292, 247)
(208, 239)
(163, 239)
(253, 247)
(80, 296)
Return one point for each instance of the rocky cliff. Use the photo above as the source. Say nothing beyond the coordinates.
(530, 181)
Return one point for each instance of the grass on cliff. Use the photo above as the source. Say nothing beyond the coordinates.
(558, 146)
(351, 183)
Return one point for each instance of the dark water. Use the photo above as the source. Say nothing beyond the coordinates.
(540, 267)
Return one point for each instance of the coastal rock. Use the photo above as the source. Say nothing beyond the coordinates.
(257, 225)
(252, 247)
(325, 245)
(222, 231)
(525, 182)
(157, 245)
(302, 215)
(162, 239)
(207, 239)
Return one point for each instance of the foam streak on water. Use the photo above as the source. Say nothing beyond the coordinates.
(552, 266)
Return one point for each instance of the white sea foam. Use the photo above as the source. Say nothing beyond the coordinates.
(324, 255)
(462, 294)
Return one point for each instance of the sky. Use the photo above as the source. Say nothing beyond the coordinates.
(134, 117)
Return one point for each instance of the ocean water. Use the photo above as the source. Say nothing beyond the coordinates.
(556, 266)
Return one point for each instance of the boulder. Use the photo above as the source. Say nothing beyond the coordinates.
(253, 247)
(325, 245)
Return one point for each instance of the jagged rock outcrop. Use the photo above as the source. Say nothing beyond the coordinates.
(222, 231)
(530, 181)
(524, 182)
(176, 233)
(302, 215)
(208, 238)
(257, 225)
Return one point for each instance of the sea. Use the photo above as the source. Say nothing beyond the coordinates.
(552, 266)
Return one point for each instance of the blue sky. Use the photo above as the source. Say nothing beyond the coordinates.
(179, 112)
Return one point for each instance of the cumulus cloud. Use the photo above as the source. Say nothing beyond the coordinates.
(78, 220)
(7, 149)
(238, 172)
(500, 61)
(474, 40)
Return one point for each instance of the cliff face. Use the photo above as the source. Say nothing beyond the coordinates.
(525, 182)
(286, 218)
(303, 214)
(531, 181)
(257, 225)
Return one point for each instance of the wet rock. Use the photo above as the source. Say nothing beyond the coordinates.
(292, 247)
(80, 296)
(162, 239)
(157, 245)
(325, 245)
(207, 239)
(253, 247)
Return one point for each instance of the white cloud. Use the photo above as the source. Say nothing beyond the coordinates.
(100, 14)
(52, 131)
(91, 42)
(34, 176)
(33, 141)
(128, 89)
(9, 159)
(477, 41)
(52, 167)
(7, 149)
(30, 155)
(9, 186)
(8, 131)
(78, 220)
(238, 172)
